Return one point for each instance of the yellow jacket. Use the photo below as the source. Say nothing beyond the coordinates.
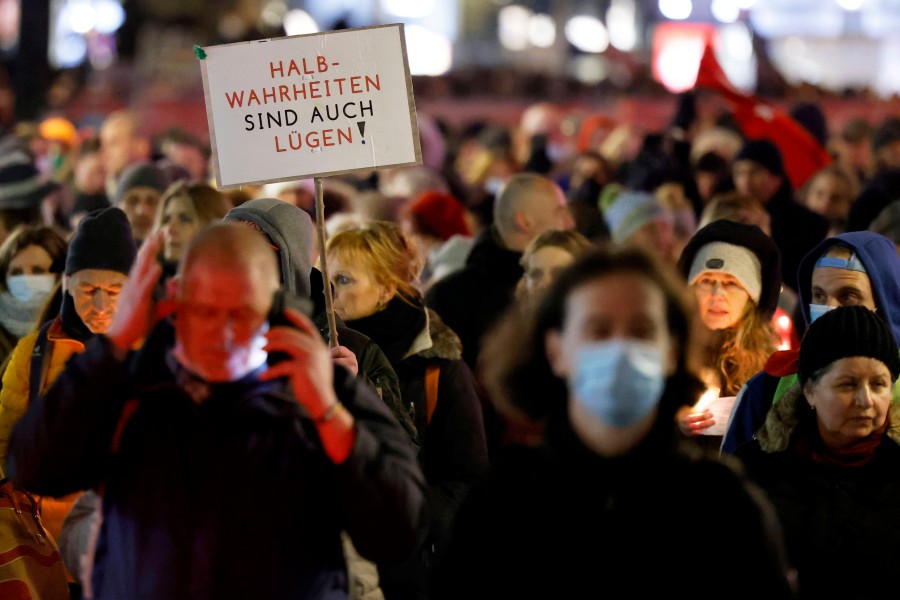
(14, 398)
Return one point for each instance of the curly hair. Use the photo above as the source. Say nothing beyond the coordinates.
(740, 352)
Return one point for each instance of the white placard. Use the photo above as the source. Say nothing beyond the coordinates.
(310, 106)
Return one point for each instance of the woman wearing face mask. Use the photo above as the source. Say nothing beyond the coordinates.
(31, 260)
(735, 273)
(374, 271)
(828, 457)
(603, 363)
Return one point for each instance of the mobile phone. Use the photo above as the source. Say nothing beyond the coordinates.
(282, 300)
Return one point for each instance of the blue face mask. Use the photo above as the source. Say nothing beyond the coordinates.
(817, 310)
(619, 381)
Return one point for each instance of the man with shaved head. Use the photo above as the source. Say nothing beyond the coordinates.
(529, 205)
(470, 300)
(222, 476)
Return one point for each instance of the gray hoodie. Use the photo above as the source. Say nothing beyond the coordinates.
(290, 230)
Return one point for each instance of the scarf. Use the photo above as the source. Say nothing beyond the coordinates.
(17, 317)
(394, 328)
(72, 324)
(808, 445)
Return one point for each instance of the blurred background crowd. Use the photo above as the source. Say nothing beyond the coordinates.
(751, 146)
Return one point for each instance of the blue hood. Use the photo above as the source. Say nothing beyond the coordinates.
(878, 255)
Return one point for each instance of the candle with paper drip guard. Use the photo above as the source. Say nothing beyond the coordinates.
(719, 407)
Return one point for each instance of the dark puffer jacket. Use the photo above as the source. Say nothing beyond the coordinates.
(470, 300)
(841, 524)
(561, 521)
(231, 497)
(454, 448)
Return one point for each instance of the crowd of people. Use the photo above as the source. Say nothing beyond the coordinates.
(513, 387)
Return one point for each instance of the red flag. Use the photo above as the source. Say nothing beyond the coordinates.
(803, 155)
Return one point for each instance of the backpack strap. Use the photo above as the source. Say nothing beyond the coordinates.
(40, 362)
(432, 377)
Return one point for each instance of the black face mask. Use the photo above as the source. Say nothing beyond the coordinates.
(71, 322)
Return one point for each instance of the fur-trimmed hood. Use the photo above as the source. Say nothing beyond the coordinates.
(783, 417)
(444, 341)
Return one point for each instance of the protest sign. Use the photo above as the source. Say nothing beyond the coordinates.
(310, 106)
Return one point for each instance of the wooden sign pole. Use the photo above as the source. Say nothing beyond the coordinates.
(326, 288)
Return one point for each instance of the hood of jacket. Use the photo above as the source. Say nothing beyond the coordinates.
(878, 255)
(444, 341)
(290, 231)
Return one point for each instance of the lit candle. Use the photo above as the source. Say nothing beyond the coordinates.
(707, 398)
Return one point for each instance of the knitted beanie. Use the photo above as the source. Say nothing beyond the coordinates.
(439, 215)
(22, 186)
(731, 243)
(102, 241)
(843, 332)
(737, 261)
(629, 212)
(764, 153)
(140, 175)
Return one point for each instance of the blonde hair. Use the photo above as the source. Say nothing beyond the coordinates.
(742, 351)
(385, 252)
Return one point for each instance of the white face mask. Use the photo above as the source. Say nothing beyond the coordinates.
(241, 361)
(619, 381)
(31, 288)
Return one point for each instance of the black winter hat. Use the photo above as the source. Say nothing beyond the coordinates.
(22, 186)
(140, 175)
(102, 241)
(763, 152)
(750, 237)
(847, 331)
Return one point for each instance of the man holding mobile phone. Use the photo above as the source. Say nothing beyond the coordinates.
(223, 477)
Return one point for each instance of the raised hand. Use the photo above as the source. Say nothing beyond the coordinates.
(308, 365)
(134, 315)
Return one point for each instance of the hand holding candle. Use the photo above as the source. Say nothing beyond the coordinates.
(695, 420)
(709, 416)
